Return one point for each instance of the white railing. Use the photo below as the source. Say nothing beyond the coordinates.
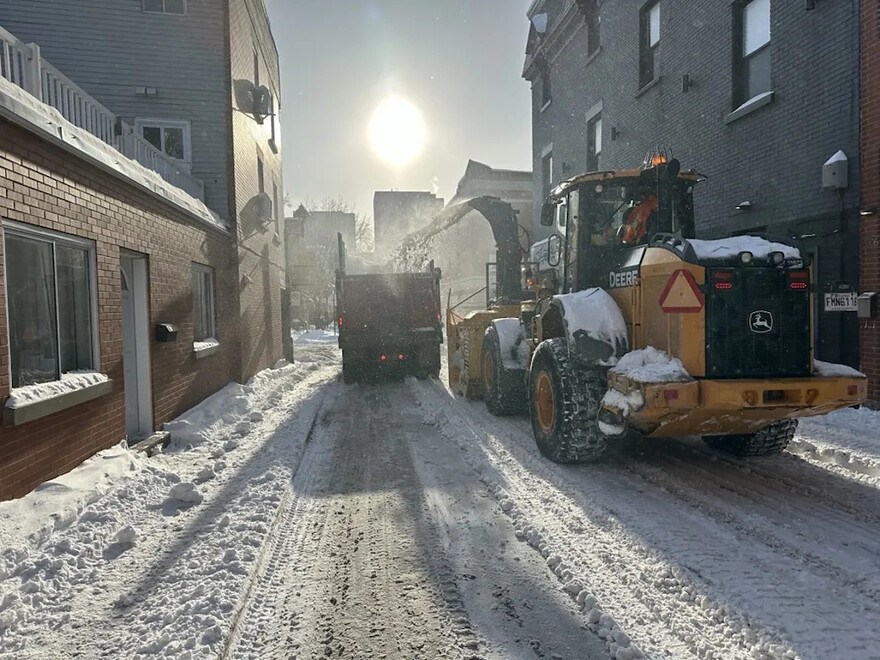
(21, 63)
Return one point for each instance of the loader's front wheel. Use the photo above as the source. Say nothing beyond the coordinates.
(564, 404)
(771, 439)
(503, 388)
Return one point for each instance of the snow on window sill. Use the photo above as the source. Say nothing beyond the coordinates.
(648, 86)
(203, 349)
(546, 105)
(750, 106)
(32, 402)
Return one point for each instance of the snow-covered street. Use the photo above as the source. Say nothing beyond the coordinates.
(299, 517)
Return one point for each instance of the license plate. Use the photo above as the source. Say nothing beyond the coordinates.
(841, 302)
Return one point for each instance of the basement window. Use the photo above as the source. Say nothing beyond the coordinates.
(51, 303)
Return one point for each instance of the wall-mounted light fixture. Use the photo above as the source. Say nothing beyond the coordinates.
(868, 211)
(810, 4)
(615, 133)
(686, 83)
(744, 206)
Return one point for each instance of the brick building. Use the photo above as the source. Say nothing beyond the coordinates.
(131, 288)
(870, 189)
(755, 94)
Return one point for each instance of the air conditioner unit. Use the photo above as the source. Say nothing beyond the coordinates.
(262, 103)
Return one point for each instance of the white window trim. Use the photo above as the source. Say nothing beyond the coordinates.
(165, 13)
(10, 227)
(202, 268)
(141, 122)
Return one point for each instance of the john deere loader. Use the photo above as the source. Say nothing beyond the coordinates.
(633, 325)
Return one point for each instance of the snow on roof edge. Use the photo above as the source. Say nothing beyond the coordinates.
(44, 121)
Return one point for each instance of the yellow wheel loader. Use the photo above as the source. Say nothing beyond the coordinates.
(636, 326)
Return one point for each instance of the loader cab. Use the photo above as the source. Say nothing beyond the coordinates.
(605, 220)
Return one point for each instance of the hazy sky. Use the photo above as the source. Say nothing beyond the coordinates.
(458, 61)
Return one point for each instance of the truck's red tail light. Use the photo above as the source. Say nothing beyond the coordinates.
(383, 357)
(400, 357)
(797, 280)
(340, 321)
(723, 281)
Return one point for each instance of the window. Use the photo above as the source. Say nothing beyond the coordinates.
(261, 177)
(50, 304)
(546, 93)
(203, 302)
(547, 173)
(649, 37)
(594, 142)
(164, 6)
(171, 137)
(590, 10)
(752, 50)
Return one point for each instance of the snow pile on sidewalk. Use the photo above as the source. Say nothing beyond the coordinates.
(151, 555)
(726, 248)
(315, 337)
(847, 439)
(648, 365)
(70, 382)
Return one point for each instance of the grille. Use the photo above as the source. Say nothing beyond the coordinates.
(756, 326)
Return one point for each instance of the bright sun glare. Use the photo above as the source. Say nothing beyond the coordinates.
(397, 131)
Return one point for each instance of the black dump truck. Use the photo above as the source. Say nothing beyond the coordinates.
(389, 323)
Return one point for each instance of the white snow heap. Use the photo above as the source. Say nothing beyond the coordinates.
(45, 121)
(70, 382)
(210, 342)
(831, 370)
(726, 248)
(594, 312)
(649, 365)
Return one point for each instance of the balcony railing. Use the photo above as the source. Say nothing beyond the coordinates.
(21, 63)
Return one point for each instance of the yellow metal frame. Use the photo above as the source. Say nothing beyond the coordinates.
(464, 341)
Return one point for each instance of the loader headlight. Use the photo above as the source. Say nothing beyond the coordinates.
(776, 258)
(746, 257)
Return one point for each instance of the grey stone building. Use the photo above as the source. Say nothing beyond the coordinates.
(755, 94)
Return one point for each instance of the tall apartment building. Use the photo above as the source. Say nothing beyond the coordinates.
(140, 185)
(755, 94)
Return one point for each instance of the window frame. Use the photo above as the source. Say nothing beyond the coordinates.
(40, 234)
(147, 122)
(741, 92)
(594, 141)
(204, 269)
(648, 52)
(164, 11)
(547, 181)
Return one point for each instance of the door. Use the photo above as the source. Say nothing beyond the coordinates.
(136, 347)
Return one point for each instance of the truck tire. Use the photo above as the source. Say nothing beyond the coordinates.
(503, 389)
(564, 405)
(769, 440)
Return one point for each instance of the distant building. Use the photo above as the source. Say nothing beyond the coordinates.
(397, 213)
(321, 229)
(736, 90)
(870, 188)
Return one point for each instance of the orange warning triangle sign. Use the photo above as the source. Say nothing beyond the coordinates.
(682, 294)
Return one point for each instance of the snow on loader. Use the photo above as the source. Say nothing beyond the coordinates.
(635, 325)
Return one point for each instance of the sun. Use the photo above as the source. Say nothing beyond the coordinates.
(397, 131)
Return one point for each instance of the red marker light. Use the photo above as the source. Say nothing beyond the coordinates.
(400, 357)
(383, 357)
(340, 320)
(670, 395)
(724, 286)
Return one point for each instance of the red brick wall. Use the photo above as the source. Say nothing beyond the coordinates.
(261, 258)
(42, 185)
(870, 187)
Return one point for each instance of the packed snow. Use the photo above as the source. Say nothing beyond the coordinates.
(726, 248)
(648, 365)
(70, 382)
(831, 370)
(205, 345)
(512, 342)
(594, 312)
(315, 337)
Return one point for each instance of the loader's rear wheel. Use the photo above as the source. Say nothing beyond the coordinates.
(564, 405)
(503, 389)
(769, 440)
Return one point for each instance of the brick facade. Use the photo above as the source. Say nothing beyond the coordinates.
(870, 189)
(771, 157)
(44, 186)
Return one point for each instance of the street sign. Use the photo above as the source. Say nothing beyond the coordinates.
(842, 302)
(682, 294)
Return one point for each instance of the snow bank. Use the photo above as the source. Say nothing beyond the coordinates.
(315, 337)
(70, 382)
(47, 122)
(831, 370)
(204, 345)
(55, 504)
(594, 312)
(725, 248)
(648, 365)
